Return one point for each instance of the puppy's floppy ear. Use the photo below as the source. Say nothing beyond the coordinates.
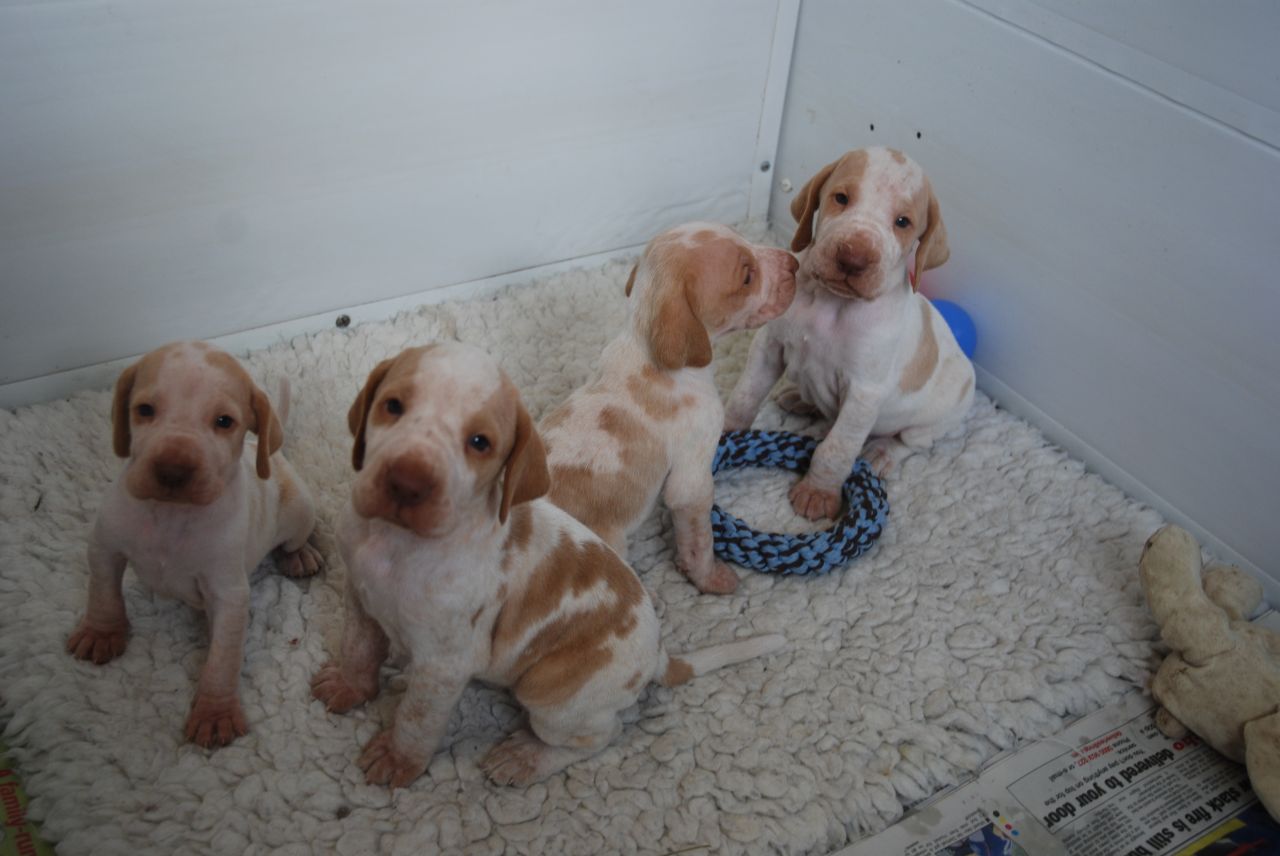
(677, 337)
(267, 426)
(933, 249)
(631, 279)
(806, 204)
(121, 438)
(358, 415)
(526, 475)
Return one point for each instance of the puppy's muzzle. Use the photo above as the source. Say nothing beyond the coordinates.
(173, 475)
(409, 481)
(854, 259)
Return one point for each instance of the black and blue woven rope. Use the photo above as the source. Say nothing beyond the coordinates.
(867, 507)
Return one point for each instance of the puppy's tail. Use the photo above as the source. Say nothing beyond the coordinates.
(676, 670)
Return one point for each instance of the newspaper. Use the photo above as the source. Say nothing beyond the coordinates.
(1109, 785)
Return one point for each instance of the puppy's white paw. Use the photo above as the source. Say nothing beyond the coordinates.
(303, 562)
(215, 721)
(339, 695)
(814, 503)
(517, 760)
(384, 764)
(97, 645)
(721, 579)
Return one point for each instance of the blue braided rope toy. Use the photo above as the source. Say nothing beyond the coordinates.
(807, 553)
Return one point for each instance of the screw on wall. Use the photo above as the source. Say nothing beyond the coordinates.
(342, 321)
(764, 166)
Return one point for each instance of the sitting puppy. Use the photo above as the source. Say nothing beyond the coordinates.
(452, 556)
(859, 345)
(195, 510)
(650, 419)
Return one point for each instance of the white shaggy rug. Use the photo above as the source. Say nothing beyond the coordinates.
(1002, 600)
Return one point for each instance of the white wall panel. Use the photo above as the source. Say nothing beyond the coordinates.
(192, 169)
(1117, 249)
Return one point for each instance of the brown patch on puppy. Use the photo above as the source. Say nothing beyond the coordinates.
(678, 671)
(898, 157)
(933, 249)
(520, 532)
(606, 502)
(964, 389)
(565, 653)
(925, 359)
(634, 681)
(655, 403)
(475, 616)
(844, 176)
(620, 425)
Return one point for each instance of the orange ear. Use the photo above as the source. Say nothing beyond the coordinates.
(526, 467)
(358, 415)
(677, 337)
(121, 438)
(631, 279)
(805, 204)
(933, 249)
(267, 427)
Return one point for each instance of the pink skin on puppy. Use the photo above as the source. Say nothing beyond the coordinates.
(194, 512)
(858, 345)
(648, 423)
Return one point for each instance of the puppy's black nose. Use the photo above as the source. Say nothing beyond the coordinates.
(172, 475)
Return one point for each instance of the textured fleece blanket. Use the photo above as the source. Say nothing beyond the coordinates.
(1002, 600)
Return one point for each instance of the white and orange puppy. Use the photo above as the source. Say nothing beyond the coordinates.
(453, 558)
(859, 345)
(194, 512)
(649, 421)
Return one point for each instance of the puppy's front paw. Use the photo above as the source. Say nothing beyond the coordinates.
(814, 503)
(215, 721)
(303, 562)
(721, 579)
(338, 694)
(516, 761)
(792, 401)
(384, 764)
(96, 644)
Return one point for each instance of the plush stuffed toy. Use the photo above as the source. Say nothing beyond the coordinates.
(1222, 676)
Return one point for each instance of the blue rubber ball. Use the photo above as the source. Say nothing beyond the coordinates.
(961, 325)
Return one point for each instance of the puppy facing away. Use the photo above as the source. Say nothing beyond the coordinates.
(858, 344)
(453, 558)
(650, 419)
(194, 512)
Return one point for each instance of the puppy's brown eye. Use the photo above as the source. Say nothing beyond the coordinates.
(902, 223)
(224, 422)
(145, 411)
(841, 198)
(394, 406)
(479, 443)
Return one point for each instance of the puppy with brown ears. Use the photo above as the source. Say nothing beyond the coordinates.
(650, 420)
(455, 560)
(860, 345)
(194, 512)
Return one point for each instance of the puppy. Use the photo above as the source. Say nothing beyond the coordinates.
(453, 558)
(194, 511)
(859, 345)
(650, 420)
